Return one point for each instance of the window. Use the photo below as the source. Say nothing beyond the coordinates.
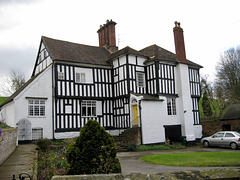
(37, 133)
(36, 108)
(140, 79)
(218, 135)
(229, 135)
(80, 78)
(60, 75)
(171, 106)
(88, 108)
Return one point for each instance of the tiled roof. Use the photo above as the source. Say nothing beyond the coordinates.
(155, 52)
(73, 52)
(126, 50)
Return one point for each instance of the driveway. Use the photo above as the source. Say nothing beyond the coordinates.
(131, 162)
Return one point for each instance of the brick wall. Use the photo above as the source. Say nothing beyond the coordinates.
(210, 127)
(8, 143)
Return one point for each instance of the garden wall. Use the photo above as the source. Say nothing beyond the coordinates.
(210, 127)
(205, 174)
(8, 143)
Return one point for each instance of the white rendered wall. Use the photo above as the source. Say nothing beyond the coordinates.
(154, 118)
(185, 101)
(8, 114)
(41, 87)
(198, 131)
(66, 135)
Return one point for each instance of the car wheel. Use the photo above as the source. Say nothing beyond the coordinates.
(206, 144)
(233, 145)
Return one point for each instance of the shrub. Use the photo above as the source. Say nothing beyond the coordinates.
(44, 144)
(94, 151)
(131, 147)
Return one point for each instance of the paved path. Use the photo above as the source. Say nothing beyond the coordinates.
(21, 160)
(131, 162)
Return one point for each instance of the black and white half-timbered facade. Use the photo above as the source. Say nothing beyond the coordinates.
(71, 83)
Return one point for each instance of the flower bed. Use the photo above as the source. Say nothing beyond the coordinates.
(53, 161)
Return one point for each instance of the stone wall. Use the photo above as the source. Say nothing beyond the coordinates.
(8, 143)
(205, 174)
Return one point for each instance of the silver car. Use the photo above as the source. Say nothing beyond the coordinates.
(223, 139)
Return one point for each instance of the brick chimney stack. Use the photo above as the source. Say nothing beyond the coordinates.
(179, 43)
(106, 35)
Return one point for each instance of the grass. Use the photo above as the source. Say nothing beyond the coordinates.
(4, 126)
(3, 99)
(195, 159)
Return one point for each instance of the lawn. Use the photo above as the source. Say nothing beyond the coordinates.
(3, 99)
(4, 126)
(195, 159)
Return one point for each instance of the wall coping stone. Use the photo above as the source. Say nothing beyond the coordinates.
(231, 173)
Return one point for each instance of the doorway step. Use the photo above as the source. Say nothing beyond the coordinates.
(129, 136)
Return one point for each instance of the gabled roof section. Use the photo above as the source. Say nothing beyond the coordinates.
(126, 50)
(73, 52)
(155, 52)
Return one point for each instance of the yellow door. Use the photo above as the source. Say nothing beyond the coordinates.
(135, 115)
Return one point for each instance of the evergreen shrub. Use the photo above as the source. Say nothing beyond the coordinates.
(44, 144)
(93, 152)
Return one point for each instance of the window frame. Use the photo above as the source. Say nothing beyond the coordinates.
(89, 108)
(36, 107)
(140, 78)
(61, 75)
(80, 77)
(171, 106)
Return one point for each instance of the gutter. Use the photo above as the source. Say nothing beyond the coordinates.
(53, 98)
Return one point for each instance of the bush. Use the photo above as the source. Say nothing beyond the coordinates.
(153, 147)
(44, 144)
(131, 147)
(94, 151)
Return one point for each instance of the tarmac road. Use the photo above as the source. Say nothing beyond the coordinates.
(131, 162)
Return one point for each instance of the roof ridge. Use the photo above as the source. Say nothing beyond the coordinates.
(64, 41)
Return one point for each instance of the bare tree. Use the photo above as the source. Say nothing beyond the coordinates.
(228, 76)
(13, 82)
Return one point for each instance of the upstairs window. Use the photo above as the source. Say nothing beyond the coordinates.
(36, 108)
(88, 108)
(140, 79)
(60, 75)
(80, 78)
(171, 106)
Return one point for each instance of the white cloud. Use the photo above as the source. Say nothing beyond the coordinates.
(210, 27)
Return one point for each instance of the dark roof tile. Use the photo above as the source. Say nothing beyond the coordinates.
(126, 50)
(73, 52)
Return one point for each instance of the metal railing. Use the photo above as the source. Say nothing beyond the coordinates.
(22, 176)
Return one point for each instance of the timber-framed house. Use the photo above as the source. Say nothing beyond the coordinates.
(153, 89)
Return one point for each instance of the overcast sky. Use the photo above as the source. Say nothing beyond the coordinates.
(210, 27)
